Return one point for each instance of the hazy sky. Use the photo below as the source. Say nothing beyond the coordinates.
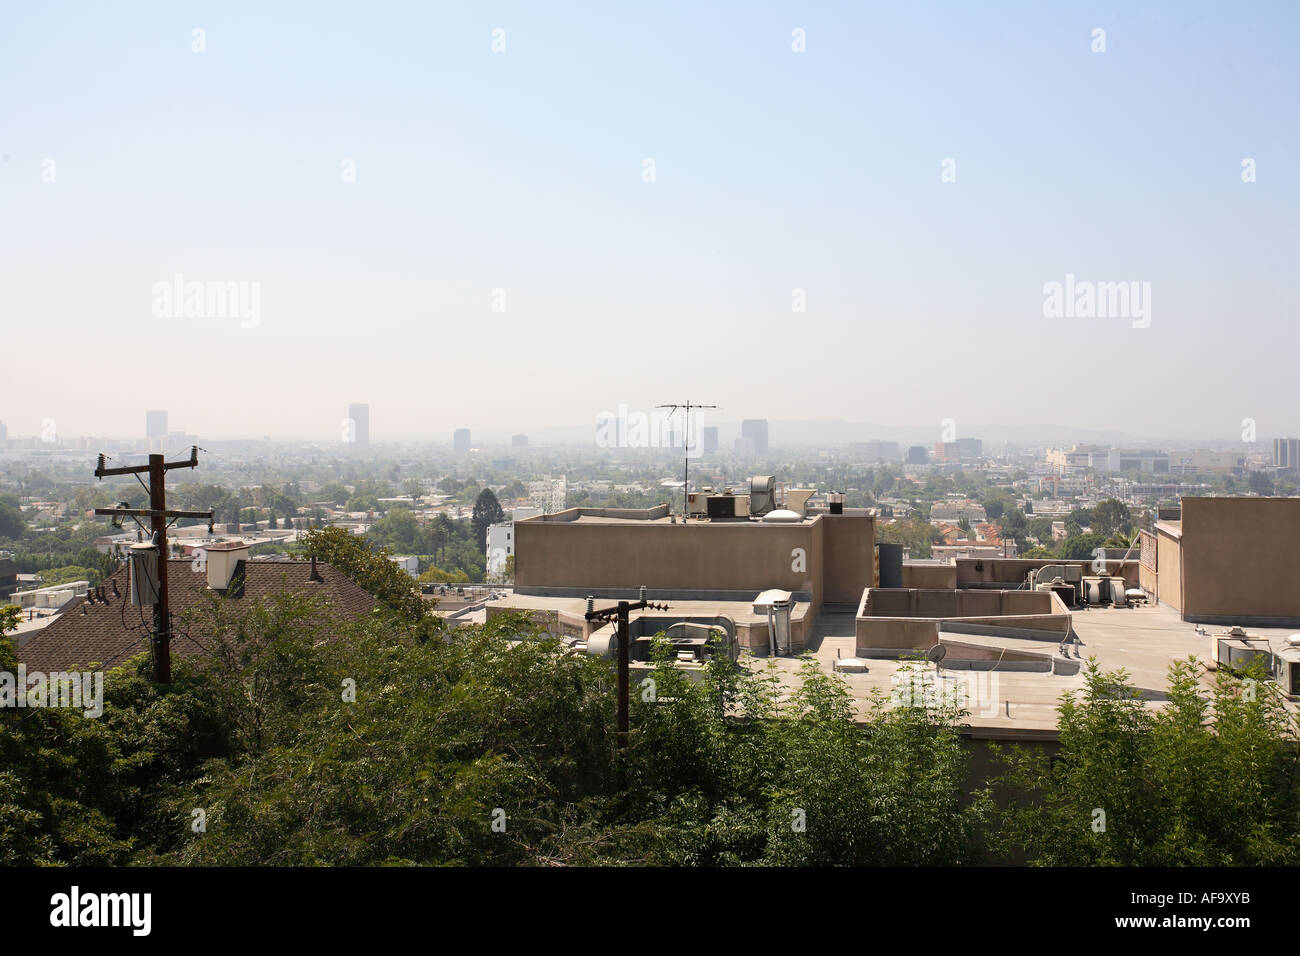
(524, 171)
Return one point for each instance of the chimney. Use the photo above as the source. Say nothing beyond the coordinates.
(222, 559)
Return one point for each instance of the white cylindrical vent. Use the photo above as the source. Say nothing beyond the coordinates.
(143, 570)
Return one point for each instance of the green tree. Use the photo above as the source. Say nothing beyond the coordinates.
(487, 512)
(1111, 516)
(1260, 483)
(369, 567)
(1041, 529)
(12, 523)
(1078, 546)
(1203, 782)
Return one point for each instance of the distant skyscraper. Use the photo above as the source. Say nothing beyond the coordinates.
(356, 428)
(917, 455)
(1286, 453)
(709, 439)
(755, 429)
(155, 430)
(519, 441)
(460, 440)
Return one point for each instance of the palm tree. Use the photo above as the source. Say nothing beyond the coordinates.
(1123, 539)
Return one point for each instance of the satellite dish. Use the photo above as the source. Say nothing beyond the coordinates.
(937, 653)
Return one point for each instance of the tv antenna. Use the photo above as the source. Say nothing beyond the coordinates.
(686, 452)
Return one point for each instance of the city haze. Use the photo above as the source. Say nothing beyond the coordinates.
(498, 258)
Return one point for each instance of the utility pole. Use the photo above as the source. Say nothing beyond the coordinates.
(158, 517)
(620, 614)
(686, 447)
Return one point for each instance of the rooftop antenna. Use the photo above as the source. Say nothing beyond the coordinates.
(686, 453)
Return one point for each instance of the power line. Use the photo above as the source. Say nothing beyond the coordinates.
(158, 516)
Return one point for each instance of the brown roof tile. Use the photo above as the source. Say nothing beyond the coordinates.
(110, 632)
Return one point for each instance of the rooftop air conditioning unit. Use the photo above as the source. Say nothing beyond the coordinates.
(1118, 593)
(1237, 654)
(762, 494)
(721, 506)
(1286, 668)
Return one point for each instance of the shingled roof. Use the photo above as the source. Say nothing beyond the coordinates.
(110, 631)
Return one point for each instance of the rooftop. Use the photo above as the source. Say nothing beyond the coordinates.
(1143, 640)
(112, 629)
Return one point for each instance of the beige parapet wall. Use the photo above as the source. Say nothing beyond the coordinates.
(1239, 559)
(832, 557)
(1229, 561)
(987, 571)
(901, 619)
(929, 575)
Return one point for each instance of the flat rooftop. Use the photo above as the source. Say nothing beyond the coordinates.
(742, 612)
(1143, 640)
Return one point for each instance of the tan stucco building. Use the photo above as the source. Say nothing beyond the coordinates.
(829, 557)
(1227, 561)
(820, 557)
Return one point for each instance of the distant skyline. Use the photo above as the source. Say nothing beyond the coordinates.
(465, 237)
(783, 434)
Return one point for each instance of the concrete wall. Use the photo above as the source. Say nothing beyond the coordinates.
(986, 572)
(913, 602)
(1239, 560)
(929, 575)
(1169, 575)
(849, 552)
(561, 552)
(897, 619)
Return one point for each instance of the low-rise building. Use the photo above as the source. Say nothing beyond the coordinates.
(1226, 561)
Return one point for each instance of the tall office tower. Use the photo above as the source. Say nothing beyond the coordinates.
(356, 431)
(917, 455)
(460, 440)
(709, 439)
(4, 432)
(155, 430)
(519, 441)
(1286, 453)
(755, 429)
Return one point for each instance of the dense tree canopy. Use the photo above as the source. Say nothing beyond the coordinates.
(301, 741)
